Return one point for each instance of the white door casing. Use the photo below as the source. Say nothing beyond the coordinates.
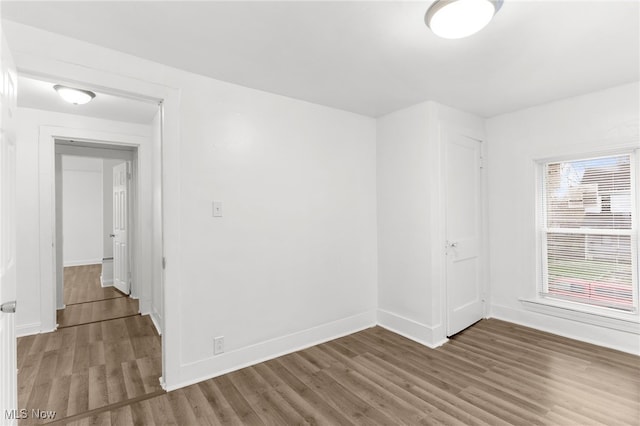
(169, 147)
(465, 304)
(120, 228)
(8, 361)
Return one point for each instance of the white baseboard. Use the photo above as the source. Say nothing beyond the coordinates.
(28, 329)
(82, 262)
(105, 283)
(106, 278)
(264, 351)
(155, 318)
(431, 337)
(589, 333)
(144, 305)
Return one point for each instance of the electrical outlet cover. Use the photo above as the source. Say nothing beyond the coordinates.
(218, 345)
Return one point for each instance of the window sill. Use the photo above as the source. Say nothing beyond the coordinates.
(628, 322)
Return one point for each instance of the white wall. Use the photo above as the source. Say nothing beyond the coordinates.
(404, 234)
(411, 237)
(293, 260)
(82, 210)
(575, 126)
(296, 248)
(30, 318)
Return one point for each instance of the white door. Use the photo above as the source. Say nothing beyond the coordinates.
(121, 279)
(8, 364)
(465, 304)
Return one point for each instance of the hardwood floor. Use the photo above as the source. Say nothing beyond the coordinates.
(91, 360)
(102, 310)
(494, 373)
(87, 301)
(82, 284)
(77, 369)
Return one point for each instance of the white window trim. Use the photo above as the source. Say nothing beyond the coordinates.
(616, 320)
(581, 312)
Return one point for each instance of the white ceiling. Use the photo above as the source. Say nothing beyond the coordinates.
(368, 57)
(37, 93)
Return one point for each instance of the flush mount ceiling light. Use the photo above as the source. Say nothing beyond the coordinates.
(460, 18)
(74, 96)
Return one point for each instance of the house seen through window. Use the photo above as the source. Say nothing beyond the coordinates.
(589, 242)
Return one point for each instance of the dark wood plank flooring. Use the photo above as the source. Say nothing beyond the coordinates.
(87, 301)
(102, 310)
(92, 360)
(82, 284)
(77, 369)
(494, 373)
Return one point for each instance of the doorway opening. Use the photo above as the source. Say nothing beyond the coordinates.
(126, 112)
(96, 208)
(101, 311)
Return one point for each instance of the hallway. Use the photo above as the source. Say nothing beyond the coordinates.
(86, 301)
(102, 353)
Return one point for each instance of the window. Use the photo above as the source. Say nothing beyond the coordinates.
(589, 237)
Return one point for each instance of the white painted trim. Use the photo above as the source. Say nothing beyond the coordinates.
(144, 305)
(421, 333)
(48, 135)
(589, 333)
(559, 307)
(59, 225)
(155, 318)
(273, 348)
(83, 262)
(444, 131)
(171, 239)
(105, 283)
(107, 268)
(28, 329)
(112, 80)
(627, 322)
(442, 120)
(46, 186)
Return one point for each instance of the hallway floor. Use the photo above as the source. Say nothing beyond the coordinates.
(86, 301)
(91, 361)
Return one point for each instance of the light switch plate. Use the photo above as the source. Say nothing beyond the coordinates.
(217, 209)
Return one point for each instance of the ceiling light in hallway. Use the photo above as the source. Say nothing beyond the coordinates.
(460, 18)
(74, 96)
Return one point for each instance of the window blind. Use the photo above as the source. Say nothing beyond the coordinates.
(589, 242)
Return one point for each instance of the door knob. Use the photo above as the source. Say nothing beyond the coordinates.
(453, 245)
(8, 307)
(112, 235)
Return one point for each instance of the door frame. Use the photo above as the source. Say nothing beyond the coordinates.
(100, 150)
(129, 83)
(444, 131)
(481, 220)
(48, 238)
